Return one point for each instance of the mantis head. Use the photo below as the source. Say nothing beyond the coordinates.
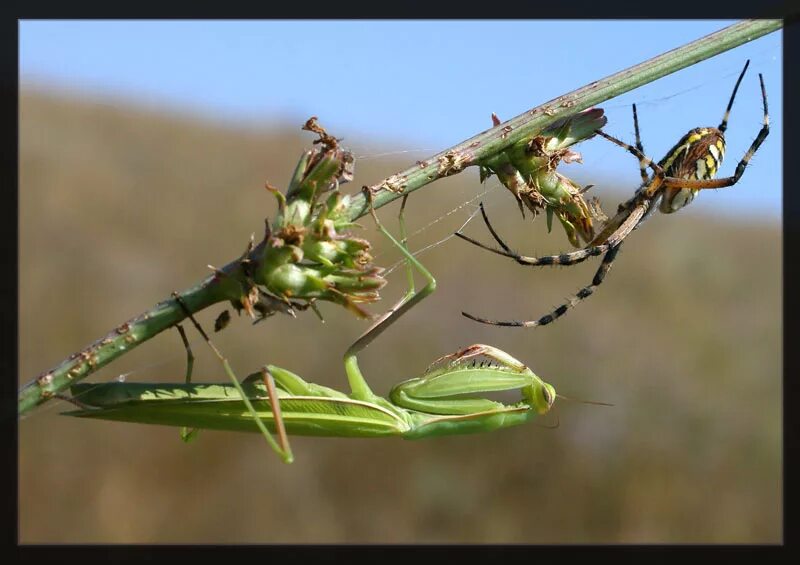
(540, 395)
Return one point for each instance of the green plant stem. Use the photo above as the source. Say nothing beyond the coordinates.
(451, 161)
(117, 342)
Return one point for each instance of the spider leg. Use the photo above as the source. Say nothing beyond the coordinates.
(659, 174)
(495, 235)
(723, 125)
(506, 252)
(570, 258)
(640, 147)
(617, 230)
(628, 221)
(582, 294)
(631, 214)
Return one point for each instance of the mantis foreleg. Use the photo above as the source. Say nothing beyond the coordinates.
(358, 385)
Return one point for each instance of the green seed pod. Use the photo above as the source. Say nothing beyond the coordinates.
(528, 170)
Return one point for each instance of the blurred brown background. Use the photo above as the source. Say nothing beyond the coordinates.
(119, 206)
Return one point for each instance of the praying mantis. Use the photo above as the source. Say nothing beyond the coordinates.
(445, 400)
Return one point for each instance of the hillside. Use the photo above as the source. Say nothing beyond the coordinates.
(119, 206)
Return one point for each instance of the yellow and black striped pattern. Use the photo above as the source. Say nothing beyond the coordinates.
(697, 156)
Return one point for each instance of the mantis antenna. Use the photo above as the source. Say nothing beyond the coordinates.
(595, 402)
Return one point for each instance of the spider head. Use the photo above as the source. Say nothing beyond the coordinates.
(697, 156)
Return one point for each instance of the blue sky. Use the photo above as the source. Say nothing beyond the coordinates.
(425, 84)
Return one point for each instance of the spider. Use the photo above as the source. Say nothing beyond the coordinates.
(690, 166)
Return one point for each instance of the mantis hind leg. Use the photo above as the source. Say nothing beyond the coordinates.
(281, 447)
(358, 385)
(187, 434)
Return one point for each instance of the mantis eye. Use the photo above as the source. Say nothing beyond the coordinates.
(548, 398)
